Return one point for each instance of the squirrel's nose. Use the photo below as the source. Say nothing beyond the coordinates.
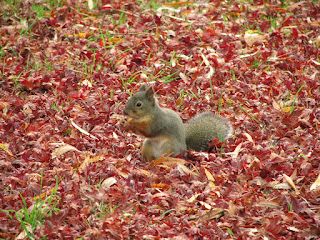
(125, 111)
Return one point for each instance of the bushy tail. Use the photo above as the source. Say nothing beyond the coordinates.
(204, 127)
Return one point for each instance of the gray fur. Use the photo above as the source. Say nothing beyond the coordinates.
(205, 127)
(167, 131)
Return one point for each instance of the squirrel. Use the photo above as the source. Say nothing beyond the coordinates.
(165, 133)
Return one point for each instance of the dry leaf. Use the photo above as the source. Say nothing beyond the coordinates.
(281, 186)
(232, 208)
(291, 183)
(183, 169)
(5, 148)
(276, 105)
(209, 175)
(45, 194)
(63, 149)
(249, 55)
(88, 160)
(269, 204)
(255, 163)
(82, 130)
(183, 77)
(316, 184)
(252, 37)
(144, 171)
(161, 186)
(213, 214)
(294, 175)
(167, 161)
(235, 153)
(90, 4)
(193, 198)
(107, 183)
(206, 205)
(249, 137)
(87, 83)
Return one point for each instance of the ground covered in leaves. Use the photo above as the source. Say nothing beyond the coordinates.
(68, 170)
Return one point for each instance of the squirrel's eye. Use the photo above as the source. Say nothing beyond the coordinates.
(139, 104)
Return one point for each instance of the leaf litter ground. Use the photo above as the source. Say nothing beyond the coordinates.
(67, 169)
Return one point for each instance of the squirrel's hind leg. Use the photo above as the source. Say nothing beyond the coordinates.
(157, 147)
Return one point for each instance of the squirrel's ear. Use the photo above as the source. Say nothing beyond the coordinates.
(150, 93)
(142, 88)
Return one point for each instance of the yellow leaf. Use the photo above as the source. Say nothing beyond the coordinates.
(193, 198)
(232, 208)
(167, 161)
(161, 186)
(252, 31)
(280, 9)
(276, 105)
(82, 35)
(286, 109)
(5, 148)
(186, 12)
(78, 107)
(42, 195)
(96, 158)
(212, 185)
(144, 171)
(115, 40)
(209, 175)
(88, 160)
(164, 166)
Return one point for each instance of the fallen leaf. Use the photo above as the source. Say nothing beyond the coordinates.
(62, 149)
(5, 148)
(82, 130)
(214, 213)
(291, 183)
(209, 175)
(162, 186)
(269, 204)
(236, 152)
(249, 137)
(316, 184)
(193, 198)
(167, 161)
(107, 183)
(252, 37)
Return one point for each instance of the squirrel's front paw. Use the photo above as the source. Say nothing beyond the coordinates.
(125, 123)
(123, 120)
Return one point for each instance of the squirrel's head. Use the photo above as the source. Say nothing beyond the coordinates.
(142, 103)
